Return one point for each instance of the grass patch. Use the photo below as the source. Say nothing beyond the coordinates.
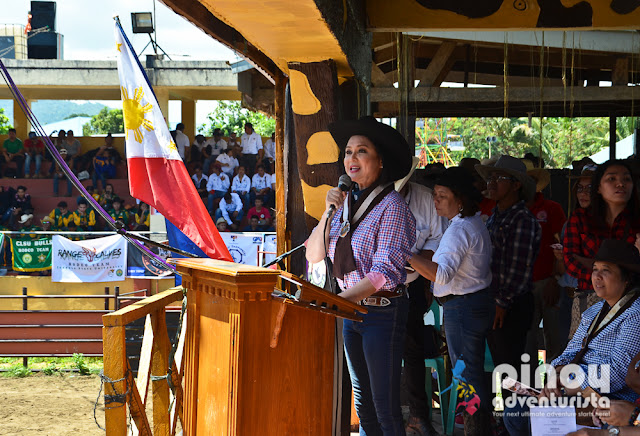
(53, 365)
(18, 371)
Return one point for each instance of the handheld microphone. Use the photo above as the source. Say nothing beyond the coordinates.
(344, 183)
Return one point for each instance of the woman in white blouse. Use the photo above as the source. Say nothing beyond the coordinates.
(461, 275)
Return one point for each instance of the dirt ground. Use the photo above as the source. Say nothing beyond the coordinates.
(56, 405)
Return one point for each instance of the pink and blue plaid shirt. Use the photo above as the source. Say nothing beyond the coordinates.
(381, 243)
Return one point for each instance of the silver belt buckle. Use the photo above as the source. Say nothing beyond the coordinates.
(373, 301)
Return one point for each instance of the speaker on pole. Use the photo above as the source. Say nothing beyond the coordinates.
(43, 14)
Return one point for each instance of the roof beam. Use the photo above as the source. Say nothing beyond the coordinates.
(437, 65)
(599, 41)
(515, 94)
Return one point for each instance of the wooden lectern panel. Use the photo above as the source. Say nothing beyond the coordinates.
(240, 380)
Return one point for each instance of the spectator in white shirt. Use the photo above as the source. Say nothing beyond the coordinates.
(260, 184)
(182, 141)
(214, 148)
(251, 145)
(233, 140)
(269, 160)
(200, 180)
(230, 209)
(228, 162)
(461, 276)
(242, 186)
(217, 186)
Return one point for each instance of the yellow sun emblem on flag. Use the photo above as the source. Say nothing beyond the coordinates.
(134, 113)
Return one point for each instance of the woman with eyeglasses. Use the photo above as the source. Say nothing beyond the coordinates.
(613, 211)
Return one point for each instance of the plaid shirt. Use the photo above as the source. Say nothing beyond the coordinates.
(381, 243)
(581, 239)
(515, 236)
(616, 345)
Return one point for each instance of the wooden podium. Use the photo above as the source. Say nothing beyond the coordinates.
(258, 362)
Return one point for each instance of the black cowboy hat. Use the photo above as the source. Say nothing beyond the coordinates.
(388, 141)
(620, 253)
(461, 180)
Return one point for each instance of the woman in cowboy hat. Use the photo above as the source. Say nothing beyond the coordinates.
(614, 212)
(607, 335)
(369, 239)
(461, 276)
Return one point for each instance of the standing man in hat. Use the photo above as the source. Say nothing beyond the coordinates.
(429, 230)
(515, 237)
(551, 303)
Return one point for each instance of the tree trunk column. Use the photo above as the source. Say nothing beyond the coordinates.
(314, 89)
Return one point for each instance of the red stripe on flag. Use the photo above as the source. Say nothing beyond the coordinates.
(166, 185)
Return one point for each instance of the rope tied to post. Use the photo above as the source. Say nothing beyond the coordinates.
(168, 376)
(120, 398)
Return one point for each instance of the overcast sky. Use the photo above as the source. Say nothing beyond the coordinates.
(87, 26)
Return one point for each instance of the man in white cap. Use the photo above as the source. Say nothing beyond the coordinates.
(429, 230)
(515, 237)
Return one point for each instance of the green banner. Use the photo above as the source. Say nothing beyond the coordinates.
(31, 254)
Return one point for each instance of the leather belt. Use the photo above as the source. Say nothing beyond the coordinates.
(444, 299)
(382, 298)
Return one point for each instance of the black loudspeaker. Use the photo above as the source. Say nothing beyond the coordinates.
(43, 14)
(45, 45)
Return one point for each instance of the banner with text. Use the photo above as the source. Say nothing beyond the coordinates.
(31, 254)
(139, 265)
(93, 260)
(270, 246)
(243, 246)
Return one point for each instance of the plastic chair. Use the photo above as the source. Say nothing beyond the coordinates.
(449, 400)
(437, 363)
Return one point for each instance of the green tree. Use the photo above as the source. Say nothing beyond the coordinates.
(4, 123)
(230, 116)
(76, 115)
(107, 121)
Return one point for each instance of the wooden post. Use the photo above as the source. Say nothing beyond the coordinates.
(612, 136)
(314, 90)
(116, 304)
(406, 123)
(106, 299)
(159, 367)
(114, 361)
(25, 305)
(281, 199)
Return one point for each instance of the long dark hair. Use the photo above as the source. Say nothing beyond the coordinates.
(598, 207)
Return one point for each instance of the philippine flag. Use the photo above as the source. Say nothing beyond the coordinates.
(157, 174)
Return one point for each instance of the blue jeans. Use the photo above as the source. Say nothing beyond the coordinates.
(219, 215)
(56, 182)
(212, 197)
(27, 163)
(516, 420)
(467, 321)
(246, 200)
(374, 355)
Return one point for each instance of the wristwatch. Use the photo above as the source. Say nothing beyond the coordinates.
(614, 430)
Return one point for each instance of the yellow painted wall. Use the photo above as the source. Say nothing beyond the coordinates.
(12, 285)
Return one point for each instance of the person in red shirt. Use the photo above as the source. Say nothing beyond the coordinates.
(551, 303)
(614, 213)
(34, 150)
(264, 217)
